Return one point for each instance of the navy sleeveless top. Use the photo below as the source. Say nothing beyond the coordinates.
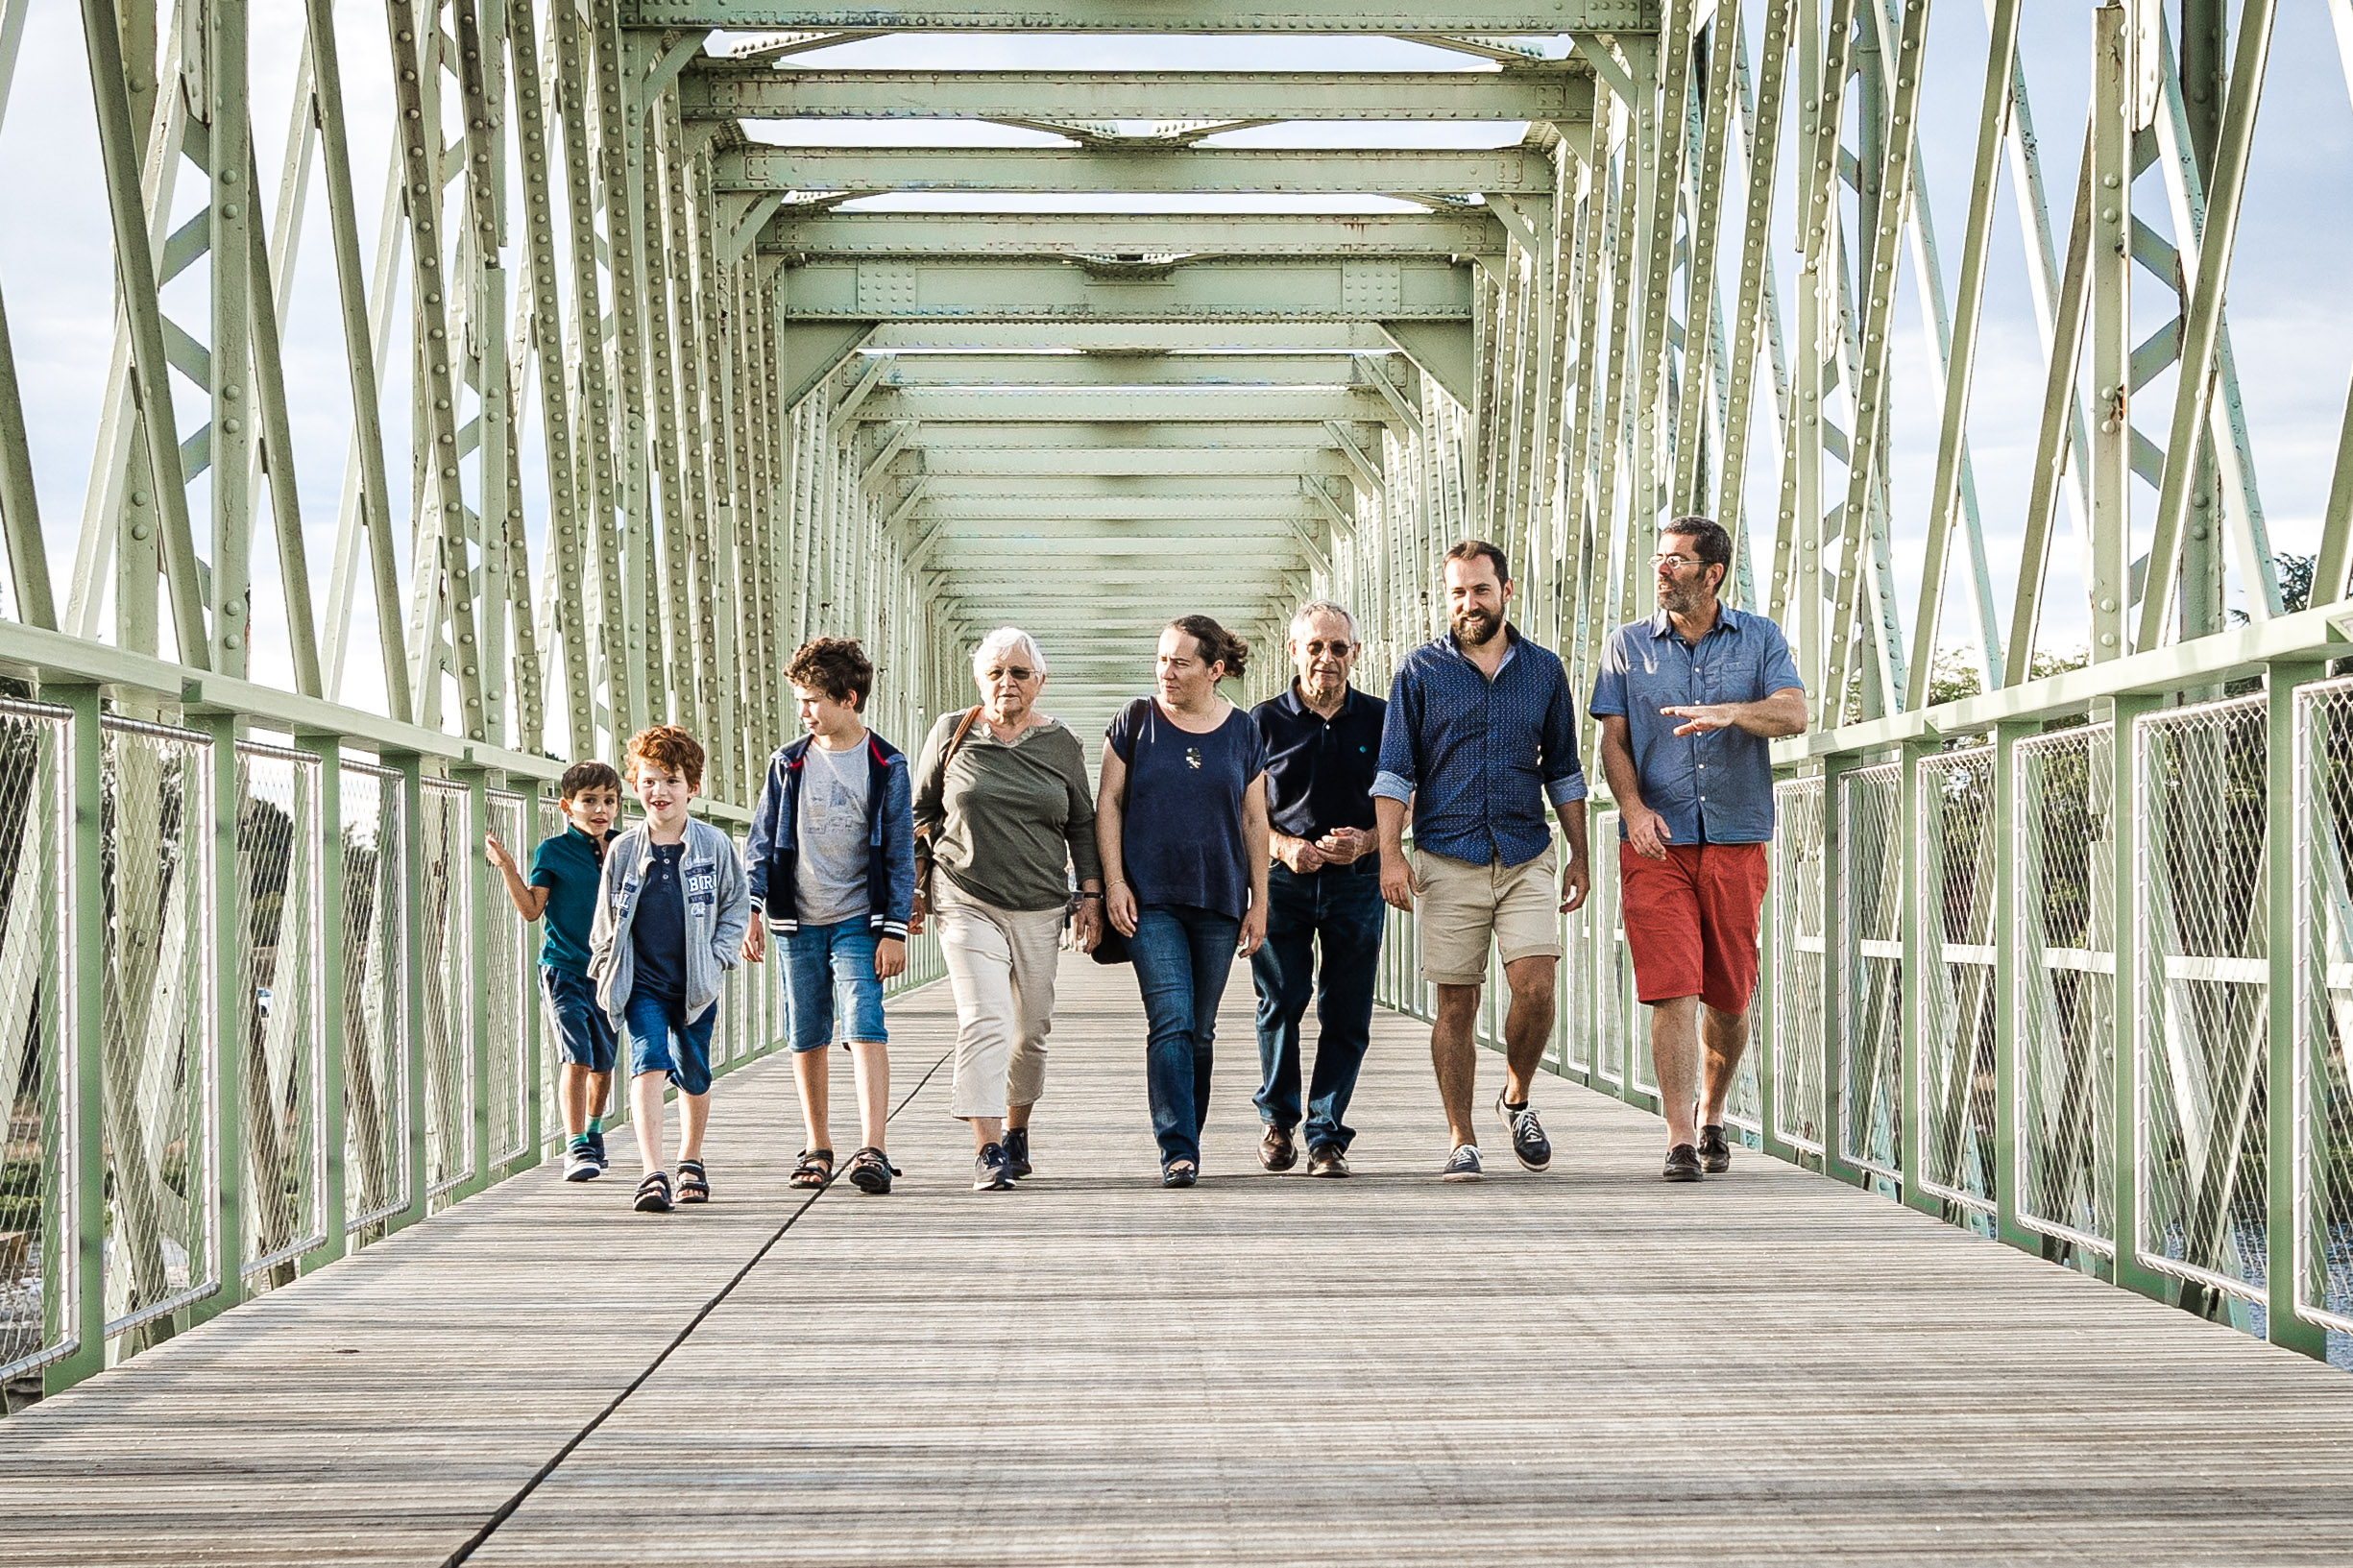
(1181, 834)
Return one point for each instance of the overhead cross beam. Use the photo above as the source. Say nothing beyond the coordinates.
(829, 235)
(731, 91)
(1501, 16)
(1378, 289)
(1145, 171)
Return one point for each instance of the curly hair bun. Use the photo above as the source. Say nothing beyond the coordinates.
(1217, 644)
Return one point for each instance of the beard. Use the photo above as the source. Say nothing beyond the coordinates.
(1679, 599)
(1475, 628)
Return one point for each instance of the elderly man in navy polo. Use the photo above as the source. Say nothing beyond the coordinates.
(1690, 702)
(1480, 733)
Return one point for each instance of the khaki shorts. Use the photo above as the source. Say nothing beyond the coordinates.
(1464, 908)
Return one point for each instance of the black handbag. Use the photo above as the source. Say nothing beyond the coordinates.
(1112, 948)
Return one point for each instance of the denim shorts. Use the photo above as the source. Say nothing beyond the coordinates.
(582, 1029)
(661, 1040)
(831, 990)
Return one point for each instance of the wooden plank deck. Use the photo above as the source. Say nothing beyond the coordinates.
(1590, 1367)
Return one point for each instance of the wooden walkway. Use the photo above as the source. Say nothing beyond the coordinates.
(1590, 1367)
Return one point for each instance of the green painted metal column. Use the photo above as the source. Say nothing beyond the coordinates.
(82, 1044)
(2282, 1325)
(473, 883)
(2125, 1108)
(229, 1003)
(334, 1203)
(1838, 975)
(411, 1023)
(534, 1023)
(1922, 954)
(2008, 957)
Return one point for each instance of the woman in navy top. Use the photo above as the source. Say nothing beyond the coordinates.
(1180, 816)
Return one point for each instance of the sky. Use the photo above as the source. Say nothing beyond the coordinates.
(2292, 329)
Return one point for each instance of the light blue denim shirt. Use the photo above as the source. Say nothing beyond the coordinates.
(1713, 788)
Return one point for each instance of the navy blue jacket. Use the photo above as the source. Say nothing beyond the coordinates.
(770, 855)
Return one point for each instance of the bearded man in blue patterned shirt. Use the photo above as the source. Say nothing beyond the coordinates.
(1480, 733)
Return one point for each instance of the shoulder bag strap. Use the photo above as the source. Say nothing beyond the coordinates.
(923, 840)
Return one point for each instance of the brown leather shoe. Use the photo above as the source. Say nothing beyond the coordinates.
(1327, 1159)
(1714, 1150)
(1681, 1164)
(1277, 1151)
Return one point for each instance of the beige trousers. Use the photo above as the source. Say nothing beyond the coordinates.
(1000, 965)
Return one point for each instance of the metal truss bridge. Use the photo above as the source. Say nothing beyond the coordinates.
(572, 361)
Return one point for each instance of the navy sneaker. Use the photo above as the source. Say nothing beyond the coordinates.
(1016, 1153)
(989, 1172)
(1463, 1165)
(596, 1149)
(580, 1164)
(1528, 1144)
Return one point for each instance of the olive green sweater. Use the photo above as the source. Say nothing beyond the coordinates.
(1006, 820)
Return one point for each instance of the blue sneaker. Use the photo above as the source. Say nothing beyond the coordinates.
(1463, 1165)
(580, 1164)
(596, 1149)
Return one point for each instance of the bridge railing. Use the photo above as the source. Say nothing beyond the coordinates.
(261, 998)
(1954, 896)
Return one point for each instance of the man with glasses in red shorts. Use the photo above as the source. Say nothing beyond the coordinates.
(1690, 701)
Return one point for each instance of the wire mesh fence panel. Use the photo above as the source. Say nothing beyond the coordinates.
(2202, 914)
(1796, 905)
(156, 821)
(1611, 965)
(1871, 845)
(376, 999)
(280, 915)
(505, 955)
(444, 862)
(2066, 1073)
(1955, 884)
(1571, 1049)
(2323, 1163)
(38, 1293)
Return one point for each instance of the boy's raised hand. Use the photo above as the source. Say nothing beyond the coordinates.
(496, 854)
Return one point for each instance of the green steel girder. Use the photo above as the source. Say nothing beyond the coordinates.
(1083, 370)
(1135, 337)
(1205, 493)
(1146, 237)
(1505, 16)
(1001, 465)
(1243, 441)
(714, 90)
(1376, 289)
(1216, 405)
(1150, 171)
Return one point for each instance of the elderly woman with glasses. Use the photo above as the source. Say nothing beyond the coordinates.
(1003, 817)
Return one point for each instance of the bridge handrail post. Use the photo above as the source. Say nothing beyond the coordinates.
(410, 766)
(334, 1204)
(1838, 970)
(2125, 1108)
(478, 916)
(2007, 969)
(534, 1023)
(228, 1026)
(2283, 757)
(1923, 949)
(83, 1040)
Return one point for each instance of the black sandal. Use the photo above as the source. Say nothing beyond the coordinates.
(816, 1170)
(1180, 1173)
(871, 1171)
(654, 1194)
(693, 1187)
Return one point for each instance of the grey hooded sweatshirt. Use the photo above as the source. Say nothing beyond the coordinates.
(719, 913)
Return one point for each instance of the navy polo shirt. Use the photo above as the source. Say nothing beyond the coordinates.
(568, 866)
(1319, 771)
(1712, 789)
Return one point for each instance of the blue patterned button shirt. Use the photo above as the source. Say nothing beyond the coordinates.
(1478, 759)
(1712, 789)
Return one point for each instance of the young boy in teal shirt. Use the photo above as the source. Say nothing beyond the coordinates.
(562, 889)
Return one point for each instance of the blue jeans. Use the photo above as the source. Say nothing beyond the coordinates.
(583, 1032)
(661, 1040)
(830, 978)
(1343, 906)
(1182, 956)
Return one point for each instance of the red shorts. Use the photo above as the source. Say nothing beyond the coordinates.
(1691, 922)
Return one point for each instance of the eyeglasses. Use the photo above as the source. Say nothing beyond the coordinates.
(1336, 649)
(1672, 563)
(1019, 672)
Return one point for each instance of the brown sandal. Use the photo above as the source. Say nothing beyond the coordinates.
(816, 1170)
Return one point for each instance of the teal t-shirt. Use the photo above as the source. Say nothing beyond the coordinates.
(568, 866)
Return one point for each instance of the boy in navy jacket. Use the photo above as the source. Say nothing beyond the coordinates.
(831, 860)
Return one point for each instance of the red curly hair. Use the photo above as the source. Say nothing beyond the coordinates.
(669, 748)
